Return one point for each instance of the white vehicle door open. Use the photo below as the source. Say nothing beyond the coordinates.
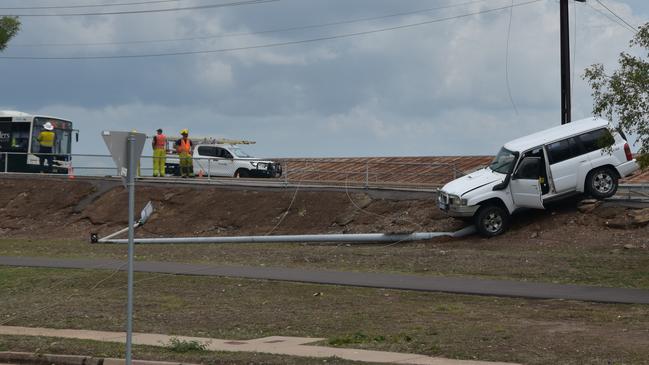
(525, 186)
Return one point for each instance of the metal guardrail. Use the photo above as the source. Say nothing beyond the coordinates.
(334, 171)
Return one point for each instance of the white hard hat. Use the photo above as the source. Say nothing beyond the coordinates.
(48, 126)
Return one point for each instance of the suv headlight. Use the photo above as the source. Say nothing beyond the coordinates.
(259, 165)
(456, 200)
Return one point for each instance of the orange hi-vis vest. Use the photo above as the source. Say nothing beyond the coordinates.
(160, 142)
(185, 146)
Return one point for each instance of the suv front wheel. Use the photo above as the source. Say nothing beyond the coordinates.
(602, 183)
(491, 220)
(241, 173)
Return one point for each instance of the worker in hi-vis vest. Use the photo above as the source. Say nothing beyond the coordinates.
(159, 153)
(185, 149)
(46, 140)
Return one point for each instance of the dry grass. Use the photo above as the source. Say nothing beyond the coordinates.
(455, 326)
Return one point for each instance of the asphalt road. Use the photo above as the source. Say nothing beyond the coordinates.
(500, 288)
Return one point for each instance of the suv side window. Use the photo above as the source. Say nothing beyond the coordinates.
(595, 140)
(221, 152)
(207, 151)
(563, 150)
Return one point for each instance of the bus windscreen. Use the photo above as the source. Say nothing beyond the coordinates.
(62, 135)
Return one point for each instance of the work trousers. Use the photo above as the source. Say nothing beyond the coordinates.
(49, 158)
(186, 165)
(159, 160)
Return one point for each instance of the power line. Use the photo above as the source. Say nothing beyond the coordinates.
(240, 34)
(607, 16)
(237, 3)
(105, 5)
(617, 16)
(271, 45)
(509, 29)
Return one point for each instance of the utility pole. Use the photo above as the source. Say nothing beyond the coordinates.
(565, 62)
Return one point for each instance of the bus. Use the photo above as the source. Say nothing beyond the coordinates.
(19, 146)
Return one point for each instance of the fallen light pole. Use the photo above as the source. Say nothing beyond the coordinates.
(146, 213)
(306, 238)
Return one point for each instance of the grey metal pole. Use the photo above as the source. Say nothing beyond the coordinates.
(343, 238)
(565, 63)
(131, 218)
(285, 172)
(367, 174)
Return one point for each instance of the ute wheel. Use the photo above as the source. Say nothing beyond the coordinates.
(241, 173)
(601, 183)
(278, 171)
(491, 220)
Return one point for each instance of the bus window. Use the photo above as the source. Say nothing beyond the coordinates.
(5, 135)
(63, 142)
(19, 137)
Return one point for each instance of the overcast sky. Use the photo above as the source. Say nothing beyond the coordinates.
(437, 88)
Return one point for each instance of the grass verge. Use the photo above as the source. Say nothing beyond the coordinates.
(454, 326)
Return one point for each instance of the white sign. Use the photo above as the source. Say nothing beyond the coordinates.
(117, 143)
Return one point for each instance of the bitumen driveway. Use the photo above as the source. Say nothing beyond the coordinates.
(457, 285)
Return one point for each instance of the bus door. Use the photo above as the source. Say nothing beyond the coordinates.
(5, 140)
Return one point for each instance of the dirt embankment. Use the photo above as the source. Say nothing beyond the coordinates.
(61, 209)
(64, 209)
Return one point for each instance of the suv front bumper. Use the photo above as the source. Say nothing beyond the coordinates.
(446, 204)
(273, 170)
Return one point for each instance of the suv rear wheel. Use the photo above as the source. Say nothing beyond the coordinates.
(491, 220)
(602, 183)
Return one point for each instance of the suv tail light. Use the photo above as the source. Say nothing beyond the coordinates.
(627, 152)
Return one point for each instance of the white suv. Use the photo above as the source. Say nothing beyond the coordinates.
(579, 157)
(230, 160)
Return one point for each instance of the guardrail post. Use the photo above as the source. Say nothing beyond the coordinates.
(285, 172)
(367, 174)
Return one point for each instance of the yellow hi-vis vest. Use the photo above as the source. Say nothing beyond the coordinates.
(46, 139)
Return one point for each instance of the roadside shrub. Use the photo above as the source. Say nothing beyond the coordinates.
(182, 346)
(358, 337)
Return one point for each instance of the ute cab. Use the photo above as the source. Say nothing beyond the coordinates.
(580, 157)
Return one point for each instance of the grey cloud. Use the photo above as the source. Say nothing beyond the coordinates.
(435, 89)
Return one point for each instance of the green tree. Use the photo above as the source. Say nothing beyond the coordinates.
(623, 96)
(9, 26)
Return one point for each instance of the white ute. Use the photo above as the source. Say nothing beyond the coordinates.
(579, 157)
(229, 160)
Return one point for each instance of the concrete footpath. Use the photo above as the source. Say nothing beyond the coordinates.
(463, 285)
(293, 346)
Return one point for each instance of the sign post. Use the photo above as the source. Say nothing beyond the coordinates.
(126, 149)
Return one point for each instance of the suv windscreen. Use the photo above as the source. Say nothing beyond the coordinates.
(239, 152)
(504, 161)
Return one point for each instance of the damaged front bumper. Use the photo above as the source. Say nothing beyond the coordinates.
(454, 206)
